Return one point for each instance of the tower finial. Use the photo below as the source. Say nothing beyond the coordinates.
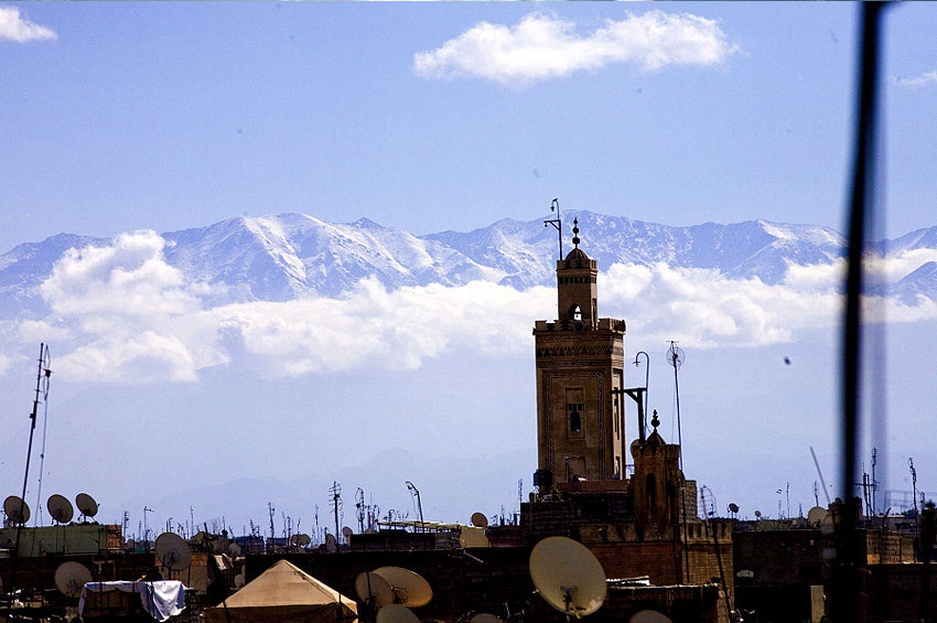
(576, 232)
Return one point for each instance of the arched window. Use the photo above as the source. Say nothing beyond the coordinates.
(575, 422)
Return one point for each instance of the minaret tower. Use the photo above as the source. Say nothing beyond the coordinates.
(580, 375)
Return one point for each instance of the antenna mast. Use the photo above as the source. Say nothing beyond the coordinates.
(675, 357)
(336, 491)
(556, 222)
(42, 389)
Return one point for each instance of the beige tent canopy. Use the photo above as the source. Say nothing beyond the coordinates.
(284, 593)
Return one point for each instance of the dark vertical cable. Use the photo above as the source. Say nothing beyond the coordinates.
(846, 603)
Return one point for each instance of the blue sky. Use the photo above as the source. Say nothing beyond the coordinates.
(118, 117)
(168, 116)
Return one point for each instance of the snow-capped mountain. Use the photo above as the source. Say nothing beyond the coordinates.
(281, 257)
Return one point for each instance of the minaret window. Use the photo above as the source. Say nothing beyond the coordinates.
(575, 313)
(574, 413)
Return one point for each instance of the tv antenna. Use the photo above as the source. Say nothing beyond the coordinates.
(415, 496)
(271, 510)
(556, 222)
(43, 375)
(336, 491)
(360, 508)
(675, 357)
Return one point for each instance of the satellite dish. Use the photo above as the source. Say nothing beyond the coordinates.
(239, 580)
(395, 613)
(758, 514)
(484, 617)
(373, 589)
(815, 515)
(479, 520)
(16, 509)
(826, 523)
(300, 539)
(70, 578)
(234, 549)
(568, 576)
(60, 508)
(347, 532)
(675, 355)
(473, 537)
(409, 587)
(86, 504)
(649, 616)
(733, 507)
(331, 545)
(173, 551)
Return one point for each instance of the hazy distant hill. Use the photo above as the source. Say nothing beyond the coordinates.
(279, 257)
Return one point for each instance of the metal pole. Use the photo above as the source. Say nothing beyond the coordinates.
(556, 222)
(846, 604)
(42, 370)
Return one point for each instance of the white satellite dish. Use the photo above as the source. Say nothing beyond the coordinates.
(568, 576)
(331, 545)
(484, 617)
(16, 509)
(70, 578)
(395, 613)
(473, 537)
(86, 505)
(815, 516)
(347, 532)
(173, 552)
(60, 508)
(649, 616)
(373, 589)
(479, 520)
(409, 587)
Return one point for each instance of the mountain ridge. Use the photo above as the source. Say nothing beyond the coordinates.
(280, 257)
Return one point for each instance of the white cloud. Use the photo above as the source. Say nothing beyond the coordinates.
(127, 278)
(121, 314)
(704, 309)
(15, 27)
(922, 79)
(127, 315)
(376, 328)
(543, 46)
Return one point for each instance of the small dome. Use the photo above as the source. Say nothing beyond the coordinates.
(577, 258)
(655, 440)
